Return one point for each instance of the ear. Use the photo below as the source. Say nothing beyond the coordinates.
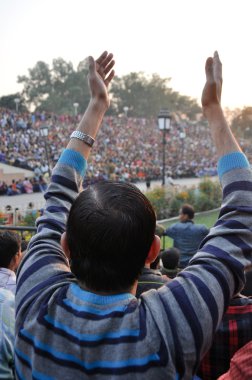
(64, 245)
(15, 261)
(154, 250)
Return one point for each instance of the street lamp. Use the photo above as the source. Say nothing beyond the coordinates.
(164, 124)
(76, 105)
(44, 133)
(182, 135)
(17, 101)
(126, 110)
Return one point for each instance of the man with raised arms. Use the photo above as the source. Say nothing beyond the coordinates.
(85, 322)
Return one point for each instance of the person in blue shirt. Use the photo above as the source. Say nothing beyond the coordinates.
(186, 235)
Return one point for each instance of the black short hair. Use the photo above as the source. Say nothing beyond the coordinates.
(170, 258)
(110, 229)
(24, 245)
(155, 263)
(188, 210)
(9, 246)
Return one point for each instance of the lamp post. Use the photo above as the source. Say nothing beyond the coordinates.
(126, 110)
(17, 101)
(76, 105)
(182, 135)
(164, 124)
(44, 133)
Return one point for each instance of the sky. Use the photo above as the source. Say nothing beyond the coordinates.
(170, 37)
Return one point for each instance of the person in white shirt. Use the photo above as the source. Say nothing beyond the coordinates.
(10, 256)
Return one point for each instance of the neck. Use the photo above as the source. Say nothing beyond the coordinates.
(131, 290)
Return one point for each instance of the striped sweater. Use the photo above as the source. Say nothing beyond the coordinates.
(64, 332)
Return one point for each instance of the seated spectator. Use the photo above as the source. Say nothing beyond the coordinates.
(3, 188)
(10, 256)
(186, 235)
(12, 189)
(170, 260)
(28, 188)
(20, 186)
(233, 333)
(24, 245)
(7, 321)
(240, 365)
(247, 290)
(42, 184)
(35, 185)
(150, 278)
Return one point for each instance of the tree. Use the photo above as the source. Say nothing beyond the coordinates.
(242, 124)
(145, 96)
(8, 101)
(38, 84)
(55, 89)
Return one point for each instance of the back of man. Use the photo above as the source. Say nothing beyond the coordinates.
(186, 235)
(10, 256)
(233, 333)
(150, 279)
(7, 322)
(240, 365)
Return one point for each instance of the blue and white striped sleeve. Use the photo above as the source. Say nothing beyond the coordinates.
(45, 263)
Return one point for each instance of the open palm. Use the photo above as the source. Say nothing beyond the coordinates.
(212, 91)
(100, 76)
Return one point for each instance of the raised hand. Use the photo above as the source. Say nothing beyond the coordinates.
(100, 76)
(211, 94)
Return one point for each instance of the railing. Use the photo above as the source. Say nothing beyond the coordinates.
(19, 229)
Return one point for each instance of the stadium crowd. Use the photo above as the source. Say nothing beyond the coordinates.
(127, 149)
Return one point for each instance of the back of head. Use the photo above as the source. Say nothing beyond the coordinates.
(9, 247)
(188, 210)
(247, 290)
(110, 230)
(170, 258)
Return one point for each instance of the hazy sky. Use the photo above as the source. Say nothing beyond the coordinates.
(172, 38)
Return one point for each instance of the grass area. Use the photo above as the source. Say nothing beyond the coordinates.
(208, 219)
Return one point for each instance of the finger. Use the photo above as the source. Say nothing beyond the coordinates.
(109, 67)
(209, 69)
(91, 62)
(109, 78)
(217, 67)
(106, 60)
(102, 57)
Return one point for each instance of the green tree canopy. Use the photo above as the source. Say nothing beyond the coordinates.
(145, 96)
(8, 101)
(242, 123)
(56, 88)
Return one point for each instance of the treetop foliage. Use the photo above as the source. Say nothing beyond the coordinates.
(55, 88)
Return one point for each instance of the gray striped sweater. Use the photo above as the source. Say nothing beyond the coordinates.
(64, 332)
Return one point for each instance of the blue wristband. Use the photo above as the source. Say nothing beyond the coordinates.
(234, 160)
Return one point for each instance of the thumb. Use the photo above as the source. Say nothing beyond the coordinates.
(91, 62)
(209, 69)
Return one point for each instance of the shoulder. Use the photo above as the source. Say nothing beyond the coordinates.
(7, 308)
(176, 226)
(201, 227)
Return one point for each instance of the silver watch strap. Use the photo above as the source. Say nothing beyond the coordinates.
(83, 137)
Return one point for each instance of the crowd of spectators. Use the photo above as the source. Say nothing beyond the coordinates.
(127, 149)
(191, 153)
